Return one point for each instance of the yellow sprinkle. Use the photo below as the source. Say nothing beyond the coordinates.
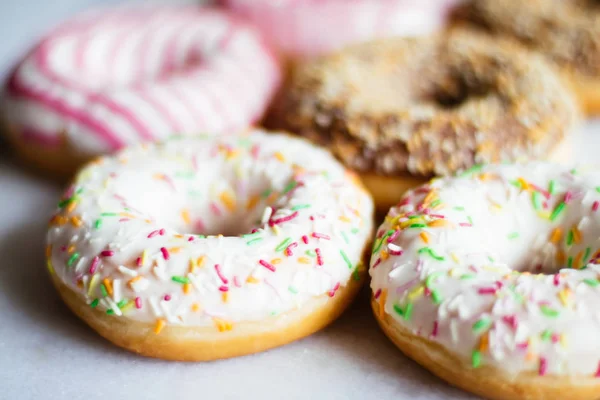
(186, 288)
(279, 156)
(556, 235)
(430, 196)
(228, 200)
(160, 324)
(185, 216)
(196, 307)
(577, 260)
(343, 218)
(251, 279)
(276, 261)
(69, 209)
(191, 265)
(416, 292)
(93, 283)
(252, 202)
(108, 286)
(178, 236)
(564, 342)
(231, 154)
(224, 297)
(222, 325)
(564, 296)
(276, 229)
(455, 257)
(49, 266)
(382, 300)
(576, 235)
(174, 250)
(454, 272)
(144, 257)
(384, 255)
(200, 261)
(424, 236)
(71, 249)
(524, 184)
(303, 260)
(437, 223)
(127, 215)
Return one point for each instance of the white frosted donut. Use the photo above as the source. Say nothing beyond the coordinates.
(312, 27)
(490, 280)
(116, 77)
(287, 226)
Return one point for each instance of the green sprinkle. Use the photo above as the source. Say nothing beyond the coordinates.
(598, 189)
(201, 236)
(551, 187)
(109, 214)
(250, 235)
(256, 240)
(546, 335)
(289, 187)
(399, 310)
(557, 211)
(110, 311)
(414, 216)
(432, 277)
(103, 290)
(417, 226)
(476, 358)
(549, 312)
(383, 238)
(570, 262)
(94, 303)
(436, 296)
(470, 219)
(345, 237)
(475, 168)
(78, 191)
(467, 276)
(122, 303)
(311, 253)
(266, 193)
(355, 230)
(435, 203)
(356, 275)
(293, 289)
(345, 257)
(185, 174)
(459, 208)
(518, 296)
(408, 311)
(180, 279)
(300, 207)
(536, 198)
(481, 325)
(586, 255)
(573, 171)
(72, 259)
(513, 235)
(591, 282)
(98, 223)
(516, 184)
(570, 238)
(432, 253)
(283, 244)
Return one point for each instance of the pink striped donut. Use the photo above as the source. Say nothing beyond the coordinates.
(106, 79)
(312, 27)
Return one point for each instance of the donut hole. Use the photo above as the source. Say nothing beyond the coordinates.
(455, 91)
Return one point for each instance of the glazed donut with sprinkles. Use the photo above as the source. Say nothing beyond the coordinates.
(491, 280)
(210, 247)
(107, 79)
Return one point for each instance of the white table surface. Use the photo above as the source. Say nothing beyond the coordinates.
(46, 353)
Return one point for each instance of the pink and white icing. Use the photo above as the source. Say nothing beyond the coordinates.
(313, 27)
(109, 78)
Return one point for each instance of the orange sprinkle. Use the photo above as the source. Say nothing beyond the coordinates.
(276, 261)
(384, 255)
(576, 234)
(382, 300)
(108, 286)
(279, 156)
(191, 265)
(530, 356)
(343, 218)
(231, 154)
(222, 325)
(252, 279)
(424, 236)
(556, 235)
(486, 176)
(303, 260)
(564, 296)
(160, 324)
(69, 209)
(196, 307)
(71, 249)
(58, 220)
(252, 202)
(174, 250)
(224, 297)
(178, 236)
(430, 196)
(524, 184)
(560, 257)
(577, 261)
(186, 288)
(133, 280)
(438, 223)
(76, 221)
(200, 261)
(484, 343)
(185, 216)
(48, 251)
(228, 200)
(127, 215)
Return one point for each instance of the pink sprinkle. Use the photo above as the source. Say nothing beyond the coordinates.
(523, 345)
(403, 202)
(395, 252)
(215, 209)
(598, 371)
(284, 219)
(305, 239)
(595, 205)
(377, 294)
(499, 284)
(123, 219)
(199, 224)
(320, 236)
(465, 224)
(138, 303)
(167, 297)
(335, 288)
(427, 292)
(165, 253)
(255, 151)
(254, 230)
(376, 263)
(568, 197)
(434, 332)
(107, 253)
(319, 257)
(393, 236)
(543, 364)
(488, 290)
(288, 250)
(138, 261)
(191, 239)
(555, 338)
(153, 233)
(223, 288)
(63, 248)
(312, 218)
(512, 321)
(267, 265)
(220, 274)
(556, 279)
(95, 262)
(236, 281)
(545, 193)
(161, 231)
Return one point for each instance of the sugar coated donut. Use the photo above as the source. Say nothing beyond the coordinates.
(401, 110)
(312, 27)
(566, 32)
(286, 227)
(491, 280)
(107, 79)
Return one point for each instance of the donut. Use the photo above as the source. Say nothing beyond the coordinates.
(566, 32)
(306, 28)
(208, 247)
(402, 110)
(490, 279)
(110, 78)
